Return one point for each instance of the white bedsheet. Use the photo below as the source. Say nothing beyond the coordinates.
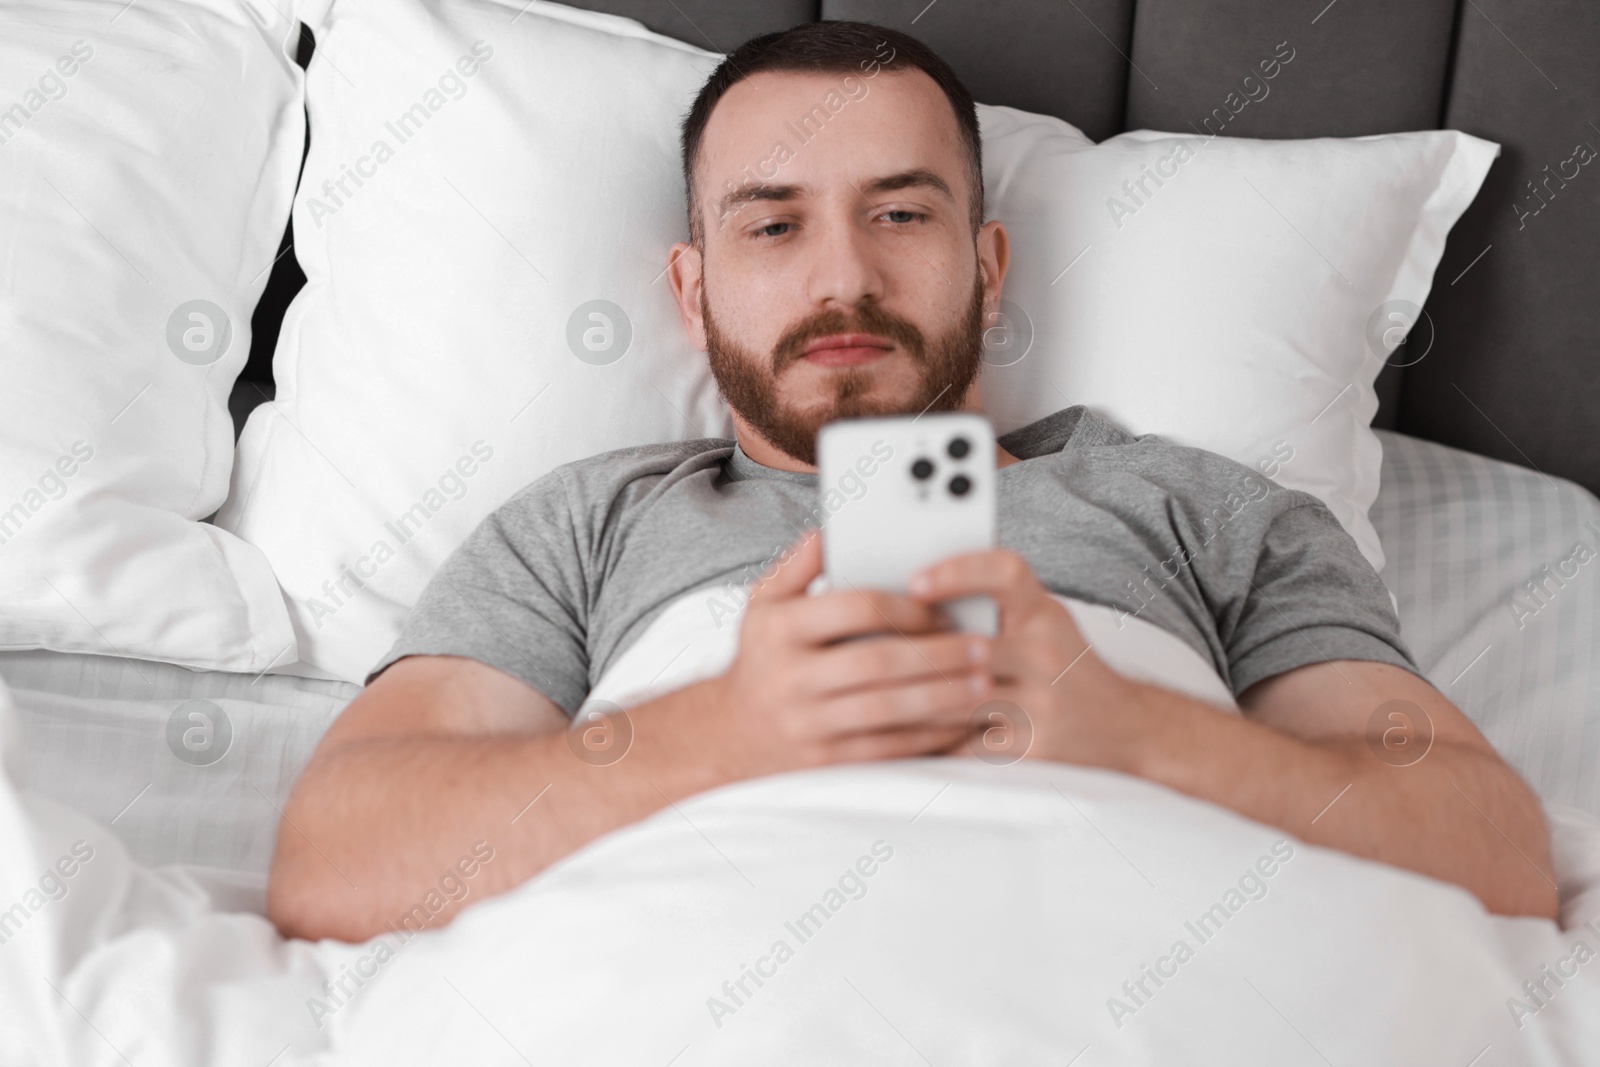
(1015, 904)
(1025, 893)
(1464, 535)
(96, 732)
(941, 910)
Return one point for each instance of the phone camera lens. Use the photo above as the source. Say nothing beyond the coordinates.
(959, 485)
(922, 469)
(959, 447)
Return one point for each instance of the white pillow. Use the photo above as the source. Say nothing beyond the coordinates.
(445, 350)
(1224, 293)
(435, 362)
(148, 155)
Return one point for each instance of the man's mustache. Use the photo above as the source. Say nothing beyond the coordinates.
(868, 318)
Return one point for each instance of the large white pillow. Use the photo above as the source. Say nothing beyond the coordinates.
(148, 155)
(487, 303)
(1235, 295)
(463, 262)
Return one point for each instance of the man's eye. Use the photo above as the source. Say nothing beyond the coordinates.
(773, 229)
(902, 217)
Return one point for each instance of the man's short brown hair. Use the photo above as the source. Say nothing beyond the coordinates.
(832, 47)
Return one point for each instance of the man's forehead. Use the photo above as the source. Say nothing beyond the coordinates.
(781, 127)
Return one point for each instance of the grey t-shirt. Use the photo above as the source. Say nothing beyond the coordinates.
(562, 577)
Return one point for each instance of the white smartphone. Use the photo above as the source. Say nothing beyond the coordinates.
(898, 494)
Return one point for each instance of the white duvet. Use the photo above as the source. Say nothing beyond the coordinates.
(938, 911)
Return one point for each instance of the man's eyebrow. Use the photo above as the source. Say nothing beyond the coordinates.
(909, 179)
(749, 194)
(761, 191)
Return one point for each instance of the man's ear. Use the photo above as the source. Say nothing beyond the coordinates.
(685, 270)
(994, 257)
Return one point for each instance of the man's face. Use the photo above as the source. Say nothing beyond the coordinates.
(838, 274)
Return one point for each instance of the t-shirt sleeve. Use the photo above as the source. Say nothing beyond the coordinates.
(1312, 597)
(512, 596)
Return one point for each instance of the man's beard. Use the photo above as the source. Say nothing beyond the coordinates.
(749, 384)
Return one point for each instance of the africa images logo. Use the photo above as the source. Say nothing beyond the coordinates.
(199, 332)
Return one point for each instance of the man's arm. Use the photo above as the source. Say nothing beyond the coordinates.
(1301, 757)
(442, 752)
(1304, 758)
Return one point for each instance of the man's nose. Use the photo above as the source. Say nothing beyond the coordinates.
(843, 270)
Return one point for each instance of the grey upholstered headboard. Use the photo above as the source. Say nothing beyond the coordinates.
(1511, 365)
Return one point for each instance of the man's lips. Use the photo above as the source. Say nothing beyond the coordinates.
(842, 349)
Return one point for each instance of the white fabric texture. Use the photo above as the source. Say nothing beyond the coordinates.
(932, 897)
(1218, 291)
(847, 913)
(147, 164)
(107, 737)
(1016, 903)
(1465, 536)
(455, 259)
(105, 961)
(440, 292)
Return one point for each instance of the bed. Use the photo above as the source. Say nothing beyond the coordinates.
(640, 948)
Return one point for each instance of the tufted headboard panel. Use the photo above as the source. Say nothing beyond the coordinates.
(1507, 361)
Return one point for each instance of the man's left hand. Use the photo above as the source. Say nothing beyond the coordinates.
(1053, 697)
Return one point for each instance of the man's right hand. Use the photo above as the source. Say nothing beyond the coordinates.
(795, 698)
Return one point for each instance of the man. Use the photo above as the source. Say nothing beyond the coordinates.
(856, 281)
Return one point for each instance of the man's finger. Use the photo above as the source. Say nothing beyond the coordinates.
(997, 572)
(853, 612)
(894, 659)
(792, 571)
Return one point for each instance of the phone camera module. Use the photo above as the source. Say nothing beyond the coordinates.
(958, 447)
(922, 470)
(960, 485)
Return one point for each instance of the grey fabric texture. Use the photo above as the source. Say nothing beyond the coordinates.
(1514, 370)
(1257, 578)
(719, 25)
(1068, 60)
(1358, 68)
